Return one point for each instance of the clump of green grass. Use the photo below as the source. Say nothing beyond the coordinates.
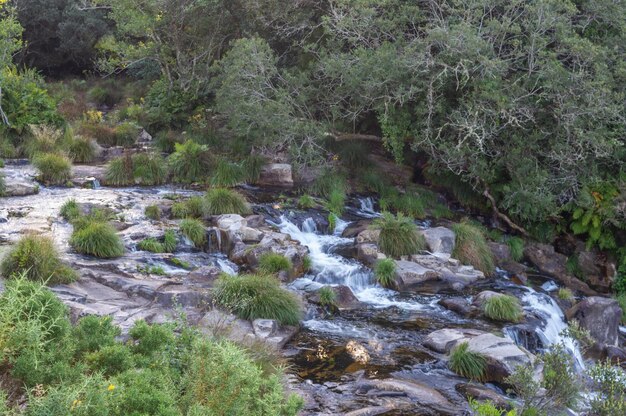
(97, 239)
(194, 230)
(471, 248)
(307, 263)
(373, 181)
(227, 174)
(152, 245)
(82, 150)
(505, 308)
(3, 187)
(336, 202)
(252, 166)
(43, 139)
(149, 169)
(328, 297)
(179, 210)
(385, 272)
(36, 258)
(220, 201)
(565, 294)
(70, 210)
(410, 205)
(256, 296)
(195, 207)
(170, 241)
(353, 155)
(180, 263)
(468, 363)
(398, 235)
(329, 182)
(120, 171)
(191, 162)
(126, 134)
(153, 212)
(54, 168)
(158, 270)
(516, 247)
(306, 202)
(273, 263)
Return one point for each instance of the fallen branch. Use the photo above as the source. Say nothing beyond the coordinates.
(354, 136)
(502, 216)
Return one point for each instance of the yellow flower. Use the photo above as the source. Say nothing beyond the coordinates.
(75, 404)
(111, 387)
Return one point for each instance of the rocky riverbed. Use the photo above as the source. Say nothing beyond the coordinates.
(381, 351)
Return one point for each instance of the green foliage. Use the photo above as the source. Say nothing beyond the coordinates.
(143, 391)
(153, 212)
(191, 162)
(328, 182)
(70, 210)
(218, 201)
(120, 171)
(336, 202)
(489, 409)
(194, 230)
(256, 296)
(385, 272)
(170, 241)
(152, 245)
(504, 308)
(411, 205)
(111, 359)
(610, 382)
(82, 150)
(36, 258)
(273, 263)
(471, 248)
(149, 169)
(54, 169)
(328, 297)
(353, 154)
(97, 239)
(565, 293)
(227, 174)
(192, 207)
(307, 263)
(621, 299)
(93, 333)
(516, 247)
(467, 363)
(252, 166)
(398, 235)
(306, 202)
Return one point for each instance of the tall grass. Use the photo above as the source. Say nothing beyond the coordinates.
(516, 247)
(149, 169)
(97, 239)
(398, 235)
(54, 169)
(255, 296)
(227, 174)
(252, 166)
(471, 248)
(328, 182)
(385, 272)
(70, 210)
(191, 162)
(273, 263)
(120, 171)
(82, 150)
(467, 363)
(194, 230)
(218, 201)
(505, 308)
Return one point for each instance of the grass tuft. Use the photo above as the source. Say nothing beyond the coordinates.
(152, 245)
(467, 363)
(505, 308)
(398, 235)
(153, 212)
(70, 210)
(170, 241)
(385, 272)
(273, 263)
(194, 230)
(149, 169)
(54, 169)
(328, 297)
(227, 174)
(471, 248)
(256, 296)
(306, 202)
(220, 201)
(565, 294)
(97, 239)
(516, 247)
(191, 162)
(120, 171)
(82, 150)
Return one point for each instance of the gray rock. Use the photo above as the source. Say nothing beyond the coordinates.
(368, 236)
(264, 328)
(600, 316)
(20, 186)
(276, 175)
(368, 253)
(231, 222)
(456, 304)
(482, 297)
(439, 239)
(443, 340)
(410, 275)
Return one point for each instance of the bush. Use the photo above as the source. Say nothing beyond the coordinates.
(222, 380)
(170, 241)
(336, 202)
(398, 235)
(111, 359)
(120, 171)
(153, 212)
(126, 134)
(97, 239)
(191, 162)
(102, 133)
(516, 246)
(70, 210)
(220, 201)
(82, 150)
(468, 363)
(195, 207)
(385, 272)
(489, 409)
(93, 333)
(152, 245)
(328, 297)
(149, 169)
(254, 296)
(166, 141)
(565, 294)
(194, 230)
(504, 308)
(610, 383)
(471, 248)
(306, 202)
(54, 169)
(227, 174)
(252, 166)
(43, 139)
(36, 258)
(143, 392)
(273, 263)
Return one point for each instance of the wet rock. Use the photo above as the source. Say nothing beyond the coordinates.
(443, 340)
(439, 239)
(255, 221)
(345, 297)
(411, 276)
(600, 316)
(205, 275)
(230, 222)
(456, 304)
(482, 297)
(276, 175)
(355, 228)
(358, 352)
(526, 335)
(481, 393)
(19, 186)
(501, 252)
(179, 295)
(546, 260)
(597, 269)
(368, 236)
(250, 235)
(434, 272)
(368, 253)
(264, 328)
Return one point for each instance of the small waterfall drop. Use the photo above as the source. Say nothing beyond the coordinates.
(366, 208)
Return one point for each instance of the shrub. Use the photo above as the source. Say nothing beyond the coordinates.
(150, 340)
(44, 139)
(610, 383)
(220, 201)
(227, 174)
(170, 241)
(194, 230)
(191, 162)
(195, 207)
(37, 259)
(254, 296)
(120, 171)
(489, 409)
(467, 363)
(336, 202)
(398, 235)
(70, 210)
(54, 169)
(126, 134)
(149, 169)
(565, 294)
(93, 333)
(166, 141)
(471, 248)
(273, 263)
(504, 308)
(374, 181)
(252, 166)
(306, 202)
(82, 150)
(385, 272)
(102, 133)
(354, 155)
(516, 246)
(97, 239)
(152, 245)
(111, 359)
(328, 297)
(153, 212)
(143, 392)
(222, 380)
(87, 396)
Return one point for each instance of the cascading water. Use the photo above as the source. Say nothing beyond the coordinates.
(367, 208)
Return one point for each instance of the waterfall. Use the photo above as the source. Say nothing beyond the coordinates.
(544, 306)
(366, 209)
(95, 183)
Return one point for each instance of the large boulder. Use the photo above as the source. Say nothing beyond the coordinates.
(597, 269)
(411, 276)
(277, 175)
(439, 239)
(20, 186)
(435, 272)
(600, 316)
(368, 253)
(369, 235)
